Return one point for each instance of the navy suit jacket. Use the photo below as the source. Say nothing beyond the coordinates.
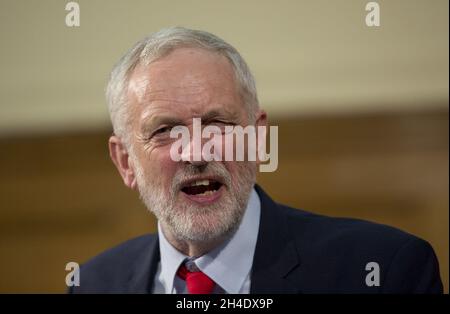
(296, 252)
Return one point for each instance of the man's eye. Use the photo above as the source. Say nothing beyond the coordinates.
(162, 130)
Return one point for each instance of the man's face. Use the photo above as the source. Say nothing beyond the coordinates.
(197, 200)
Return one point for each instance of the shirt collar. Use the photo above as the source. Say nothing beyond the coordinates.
(171, 260)
(230, 263)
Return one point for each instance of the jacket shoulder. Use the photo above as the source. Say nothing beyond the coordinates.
(349, 246)
(113, 268)
(347, 231)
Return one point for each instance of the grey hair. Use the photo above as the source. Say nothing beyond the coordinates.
(160, 44)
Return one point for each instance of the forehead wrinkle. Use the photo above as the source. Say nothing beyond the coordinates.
(182, 91)
(176, 92)
(182, 95)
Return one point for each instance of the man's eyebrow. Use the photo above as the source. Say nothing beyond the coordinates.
(149, 123)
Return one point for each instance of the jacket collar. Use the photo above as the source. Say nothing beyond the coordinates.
(143, 272)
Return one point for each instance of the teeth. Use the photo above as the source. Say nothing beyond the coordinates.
(200, 182)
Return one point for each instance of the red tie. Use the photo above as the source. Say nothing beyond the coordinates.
(196, 281)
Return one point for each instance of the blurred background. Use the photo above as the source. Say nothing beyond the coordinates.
(362, 115)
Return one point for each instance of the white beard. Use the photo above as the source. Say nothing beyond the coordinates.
(188, 222)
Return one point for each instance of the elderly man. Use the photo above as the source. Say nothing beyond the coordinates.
(218, 232)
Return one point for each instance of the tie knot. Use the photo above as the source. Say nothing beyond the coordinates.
(196, 281)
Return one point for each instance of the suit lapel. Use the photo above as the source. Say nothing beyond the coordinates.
(275, 254)
(143, 273)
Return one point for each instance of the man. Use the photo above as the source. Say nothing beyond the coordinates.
(218, 232)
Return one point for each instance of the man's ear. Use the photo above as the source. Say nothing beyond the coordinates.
(121, 159)
(261, 135)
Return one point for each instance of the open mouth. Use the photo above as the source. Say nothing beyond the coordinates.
(204, 187)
